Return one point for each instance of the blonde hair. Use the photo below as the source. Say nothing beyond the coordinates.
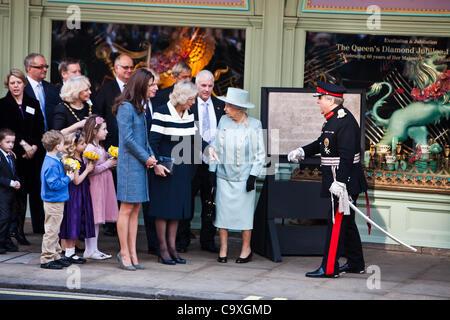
(70, 91)
(183, 91)
(71, 142)
(16, 73)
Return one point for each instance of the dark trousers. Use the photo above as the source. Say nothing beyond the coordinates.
(200, 182)
(29, 176)
(36, 209)
(6, 215)
(150, 228)
(342, 236)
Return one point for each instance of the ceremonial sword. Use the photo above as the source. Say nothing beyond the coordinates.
(378, 227)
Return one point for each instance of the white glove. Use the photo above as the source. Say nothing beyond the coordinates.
(295, 155)
(338, 188)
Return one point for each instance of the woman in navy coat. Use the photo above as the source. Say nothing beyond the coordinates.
(135, 156)
(171, 138)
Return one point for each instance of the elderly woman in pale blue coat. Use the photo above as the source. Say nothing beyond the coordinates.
(135, 156)
(239, 146)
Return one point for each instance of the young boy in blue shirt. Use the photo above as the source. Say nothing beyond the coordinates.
(54, 193)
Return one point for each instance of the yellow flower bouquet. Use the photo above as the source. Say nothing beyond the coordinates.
(91, 156)
(113, 151)
(71, 164)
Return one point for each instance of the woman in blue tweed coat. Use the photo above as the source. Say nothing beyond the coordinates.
(135, 156)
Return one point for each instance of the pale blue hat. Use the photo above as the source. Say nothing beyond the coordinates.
(237, 97)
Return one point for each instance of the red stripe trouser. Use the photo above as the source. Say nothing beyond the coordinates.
(342, 239)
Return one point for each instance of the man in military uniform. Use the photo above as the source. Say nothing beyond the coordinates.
(342, 180)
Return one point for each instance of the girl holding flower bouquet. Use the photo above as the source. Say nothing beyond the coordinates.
(103, 193)
(78, 221)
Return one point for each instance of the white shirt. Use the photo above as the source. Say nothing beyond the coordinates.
(12, 182)
(121, 84)
(212, 121)
(150, 106)
(212, 116)
(34, 84)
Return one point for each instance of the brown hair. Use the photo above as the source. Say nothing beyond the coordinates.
(135, 91)
(6, 132)
(16, 73)
(91, 127)
(51, 139)
(64, 65)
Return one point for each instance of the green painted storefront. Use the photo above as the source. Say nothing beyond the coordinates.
(274, 57)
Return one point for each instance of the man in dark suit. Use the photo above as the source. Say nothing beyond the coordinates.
(180, 71)
(46, 93)
(207, 112)
(108, 92)
(8, 184)
(104, 101)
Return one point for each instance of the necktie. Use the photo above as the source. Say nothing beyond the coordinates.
(10, 161)
(206, 129)
(41, 98)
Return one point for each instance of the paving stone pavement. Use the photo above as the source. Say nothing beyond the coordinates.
(395, 275)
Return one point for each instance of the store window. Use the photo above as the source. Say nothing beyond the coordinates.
(96, 45)
(407, 84)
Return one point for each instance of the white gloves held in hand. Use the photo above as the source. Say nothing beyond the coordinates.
(338, 188)
(296, 155)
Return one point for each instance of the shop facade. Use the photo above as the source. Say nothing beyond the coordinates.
(277, 36)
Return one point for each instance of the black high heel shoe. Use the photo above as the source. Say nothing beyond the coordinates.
(166, 261)
(244, 260)
(177, 259)
(222, 259)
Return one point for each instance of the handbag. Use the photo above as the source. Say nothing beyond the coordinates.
(166, 162)
(210, 205)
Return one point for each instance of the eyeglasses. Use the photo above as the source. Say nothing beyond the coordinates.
(44, 66)
(127, 67)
